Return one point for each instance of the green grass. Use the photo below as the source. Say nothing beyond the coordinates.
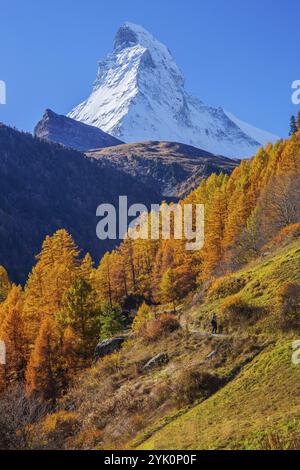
(261, 282)
(267, 277)
(263, 399)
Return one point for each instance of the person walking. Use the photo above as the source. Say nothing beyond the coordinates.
(214, 324)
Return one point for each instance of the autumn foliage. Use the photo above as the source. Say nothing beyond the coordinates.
(52, 325)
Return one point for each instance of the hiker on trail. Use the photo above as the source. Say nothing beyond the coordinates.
(214, 324)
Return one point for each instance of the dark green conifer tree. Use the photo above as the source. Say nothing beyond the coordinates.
(293, 125)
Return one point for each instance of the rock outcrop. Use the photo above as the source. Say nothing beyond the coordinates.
(73, 134)
(108, 346)
(158, 360)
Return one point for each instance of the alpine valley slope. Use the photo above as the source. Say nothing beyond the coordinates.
(139, 95)
(173, 169)
(45, 187)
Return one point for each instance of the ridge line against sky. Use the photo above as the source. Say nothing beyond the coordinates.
(239, 55)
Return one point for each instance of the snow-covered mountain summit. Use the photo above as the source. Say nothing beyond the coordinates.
(139, 95)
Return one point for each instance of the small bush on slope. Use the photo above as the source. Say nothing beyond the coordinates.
(224, 286)
(60, 426)
(235, 309)
(164, 325)
(285, 236)
(288, 304)
(194, 383)
(143, 316)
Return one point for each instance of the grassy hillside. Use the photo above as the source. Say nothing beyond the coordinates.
(237, 390)
(257, 286)
(262, 404)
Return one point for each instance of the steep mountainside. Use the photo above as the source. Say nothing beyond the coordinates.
(260, 408)
(173, 169)
(162, 378)
(71, 133)
(44, 187)
(139, 95)
(257, 410)
(235, 390)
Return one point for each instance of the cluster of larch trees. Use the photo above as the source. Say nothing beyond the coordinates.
(243, 212)
(51, 327)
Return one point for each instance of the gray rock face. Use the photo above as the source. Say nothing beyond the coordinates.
(158, 360)
(125, 37)
(108, 346)
(73, 134)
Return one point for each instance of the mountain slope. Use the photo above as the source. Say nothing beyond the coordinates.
(228, 391)
(173, 169)
(264, 398)
(139, 95)
(263, 137)
(263, 401)
(71, 133)
(45, 187)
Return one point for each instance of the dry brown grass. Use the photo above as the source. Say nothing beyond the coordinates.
(158, 327)
(286, 235)
(115, 399)
(276, 441)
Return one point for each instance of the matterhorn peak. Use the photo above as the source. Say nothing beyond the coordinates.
(130, 34)
(126, 36)
(139, 95)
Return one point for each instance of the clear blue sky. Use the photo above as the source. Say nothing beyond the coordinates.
(239, 54)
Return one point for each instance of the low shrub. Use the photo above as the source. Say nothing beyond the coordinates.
(169, 323)
(235, 308)
(19, 414)
(152, 330)
(288, 304)
(191, 384)
(161, 392)
(164, 325)
(143, 316)
(110, 364)
(60, 426)
(225, 286)
(86, 439)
